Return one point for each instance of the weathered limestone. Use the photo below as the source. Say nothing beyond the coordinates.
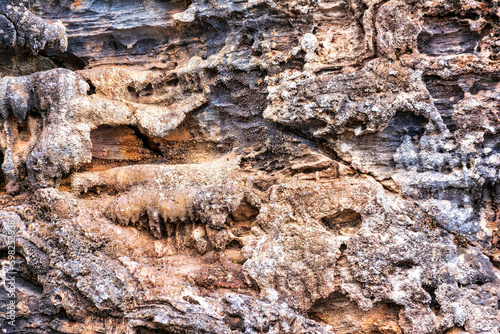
(251, 166)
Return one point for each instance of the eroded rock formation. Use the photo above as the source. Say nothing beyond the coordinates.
(250, 166)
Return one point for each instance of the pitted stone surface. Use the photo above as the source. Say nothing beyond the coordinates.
(250, 166)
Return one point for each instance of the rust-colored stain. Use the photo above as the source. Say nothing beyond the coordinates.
(77, 4)
(179, 135)
(119, 144)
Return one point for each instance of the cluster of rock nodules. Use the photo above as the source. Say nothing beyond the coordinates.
(271, 158)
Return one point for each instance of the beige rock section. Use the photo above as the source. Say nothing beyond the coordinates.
(250, 166)
(61, 101)
(224, 171)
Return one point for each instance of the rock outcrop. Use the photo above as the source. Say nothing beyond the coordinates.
(250, 166)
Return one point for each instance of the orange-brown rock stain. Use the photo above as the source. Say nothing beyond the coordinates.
(344, 315)
(77, 4)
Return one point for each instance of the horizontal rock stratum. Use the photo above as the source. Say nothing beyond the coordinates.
(250, 166)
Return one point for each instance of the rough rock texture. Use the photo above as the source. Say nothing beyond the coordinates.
(250, 166)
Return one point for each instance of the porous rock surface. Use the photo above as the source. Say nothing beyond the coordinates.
(250, 166)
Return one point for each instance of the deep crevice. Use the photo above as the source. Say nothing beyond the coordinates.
(119, 144)
(64, 59)
(447, 35)
(345, 222)
(91, 90)
(445, 94)
(133, 93)
(405, 264)
(434, 305)
(146, 141)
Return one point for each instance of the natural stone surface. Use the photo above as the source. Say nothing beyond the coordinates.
(22, 28)
(250, 166)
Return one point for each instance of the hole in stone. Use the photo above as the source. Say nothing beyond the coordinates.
(211, 73)
(312, 125)
(342, 260)
(344, 222)
(296, 62)
(245, 212)
(147, 141)
(115, 144)
(64, 59)
(234, 244)
(434, 305)
(144, 46)
(133, 92)
(345, 316)
(354, 123)
(137, 95)
(62, 315)
(91, 90)
(401, 124)
(247, 39)
(405, 264)
(235, 322)
(116, 46)
(447, 35)
(35, 113)
(172, 80)
(23, 130)
(148, 91)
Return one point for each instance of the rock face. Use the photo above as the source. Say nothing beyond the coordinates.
(250, 166)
